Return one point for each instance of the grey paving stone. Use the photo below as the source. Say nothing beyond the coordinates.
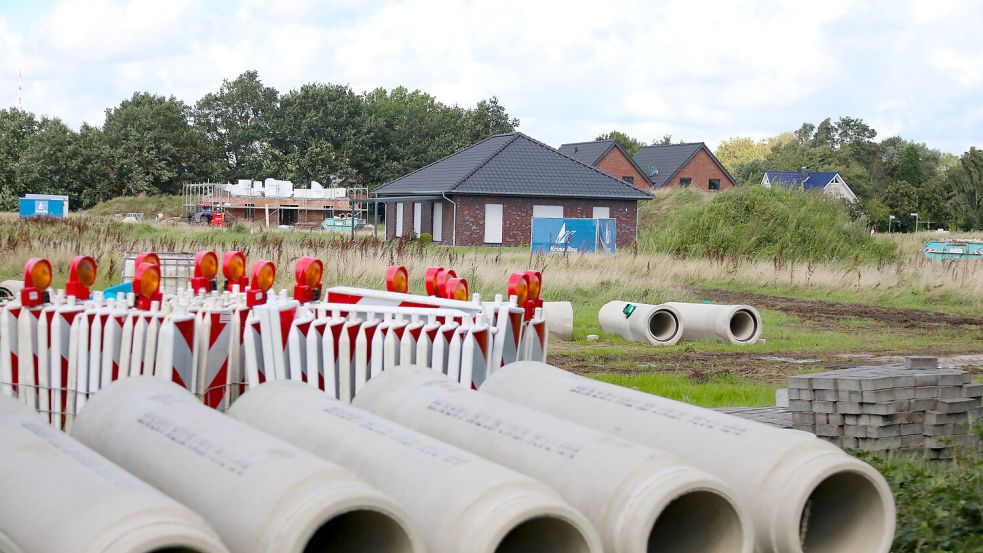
(912, 428)
(962, 405)
(855, 431)
(972, 390)
(824, 395)
(823, 406)
(951, 392)
(921, 362)
(927, 404)
(799, 405)
(877, 420)
(879, 444)
(912, 440)
(800, 393)
(848, 408)
(889, 408)
(953, 377)
(888, 431)
(800, 418)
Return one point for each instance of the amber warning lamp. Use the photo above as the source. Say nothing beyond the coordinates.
(430, 280)
(37, 279)
(146, 285)
(206, 267)
(441, 279)
(456, 289)
(81, 277)
(535, 289)
(308, 276)
(260, 281)
(398, 279)
(234, 269)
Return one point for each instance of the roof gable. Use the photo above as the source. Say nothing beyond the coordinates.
(660, 162)
(813, 179)
(512, 164)
(588, 153)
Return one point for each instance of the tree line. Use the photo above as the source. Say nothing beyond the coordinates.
(894, 176)
(151, 144)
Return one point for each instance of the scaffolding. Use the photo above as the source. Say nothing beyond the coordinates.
(336, 207)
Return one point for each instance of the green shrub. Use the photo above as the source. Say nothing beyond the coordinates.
(239, 228)
(425, 238)
(940, 503)
(757, 222)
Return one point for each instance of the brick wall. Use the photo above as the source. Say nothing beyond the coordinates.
(616, 164)
(701, 169)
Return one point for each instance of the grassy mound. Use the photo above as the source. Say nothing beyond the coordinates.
(762, 223)
(656, 213)
(150, 206)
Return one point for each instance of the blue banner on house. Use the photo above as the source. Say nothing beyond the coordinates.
(573, 235)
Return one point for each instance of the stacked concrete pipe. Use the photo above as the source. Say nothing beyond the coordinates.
(638, 498)
(459, 501)
(658, 325)
(261, 494)
(10, 289)
(804, 494)
(734, 324)
(57, 495)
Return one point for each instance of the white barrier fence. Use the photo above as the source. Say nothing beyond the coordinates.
(53, 357)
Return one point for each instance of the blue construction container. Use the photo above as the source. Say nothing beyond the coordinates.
(43, 205)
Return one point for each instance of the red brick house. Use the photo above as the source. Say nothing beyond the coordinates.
(685, 165)
(488, 193)
(610, 157)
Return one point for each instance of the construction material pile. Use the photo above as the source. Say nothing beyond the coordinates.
(916, 407)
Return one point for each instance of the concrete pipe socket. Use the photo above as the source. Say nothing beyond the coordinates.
(638, 498)
(485, 508)
(261, 494)
(734, 324)
(658, 325)
(559, 319)
(10, 289)
(58, 495)
(803, 494)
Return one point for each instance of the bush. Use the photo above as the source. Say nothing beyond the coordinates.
(940, 503)
(763, 223)
(425, 238)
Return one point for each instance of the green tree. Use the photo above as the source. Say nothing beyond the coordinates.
(630, 144)
(825, 134)
(739, 155)
(154, 147)
(16, 127)
(901, 199)
(51, 163)
(877, 214)
(236, 119)
(910, 166)
(965, 184)
(487, 118)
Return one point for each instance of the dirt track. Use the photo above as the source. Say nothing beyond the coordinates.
(819, 310)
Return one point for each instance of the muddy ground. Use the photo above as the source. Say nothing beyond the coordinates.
(773, 368)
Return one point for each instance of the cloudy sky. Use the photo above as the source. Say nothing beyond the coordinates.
(700, 70)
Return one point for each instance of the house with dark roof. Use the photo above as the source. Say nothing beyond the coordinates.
(488, 193)
(685, 165)
(830, 182)
(610, 157)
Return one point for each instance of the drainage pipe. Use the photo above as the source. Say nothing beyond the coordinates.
(639, 499)
(658, 325)
(57, 495)
(10, 289)
(803, 494)
(735, 324)
(261, 494)
(459, 501)
(559, 319)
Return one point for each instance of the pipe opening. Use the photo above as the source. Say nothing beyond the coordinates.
(663, 325)
(743, 326)
(360, 532)
(844, 513)
(175, 550)
(697, 522)
(544, 535)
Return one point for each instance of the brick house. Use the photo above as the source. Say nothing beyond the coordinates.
(610, 157)
(488, 193)
(685, 165)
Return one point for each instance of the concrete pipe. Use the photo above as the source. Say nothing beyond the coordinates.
(483, 507)
(261, 494)
(559, 319)
(639, 499)
(658, 325)
(803, 494)
(734, 324)
(57, 495)
(10, 289)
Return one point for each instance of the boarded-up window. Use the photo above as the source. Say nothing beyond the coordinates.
(547, 211)
(601, 213)
(417, 218)
(399, 220)
(493, 223)
(438, 222)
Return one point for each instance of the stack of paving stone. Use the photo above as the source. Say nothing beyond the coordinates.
(912, 407)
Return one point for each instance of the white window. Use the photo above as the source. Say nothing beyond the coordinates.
(493, 223)
(601, 213)
(547, 211)
(438, 222)
(399, 220)
(417, 218)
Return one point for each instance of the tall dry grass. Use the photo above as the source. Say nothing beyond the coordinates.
(911, 280)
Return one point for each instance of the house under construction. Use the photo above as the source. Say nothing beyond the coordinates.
(277, 203)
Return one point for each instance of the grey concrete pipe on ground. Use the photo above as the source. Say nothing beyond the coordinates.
(734, 324)
(459, 501)
(57, 495)
(804, 494)
(658, 325)
(639, 499)
(261, 494)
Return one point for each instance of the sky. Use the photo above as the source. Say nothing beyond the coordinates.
(571, 70)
